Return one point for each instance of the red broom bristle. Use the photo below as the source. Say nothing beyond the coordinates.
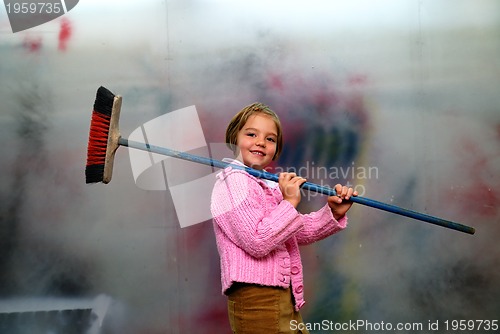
(97, 146)
(98, 138)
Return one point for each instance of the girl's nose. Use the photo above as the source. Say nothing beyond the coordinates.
(260, 142)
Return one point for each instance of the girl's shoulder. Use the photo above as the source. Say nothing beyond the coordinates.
(233, 188)
(235, 180)
(230, 174)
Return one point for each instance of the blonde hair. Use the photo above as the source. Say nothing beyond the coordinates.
(240, 119)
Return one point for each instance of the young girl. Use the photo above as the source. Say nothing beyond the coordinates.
(258, 229)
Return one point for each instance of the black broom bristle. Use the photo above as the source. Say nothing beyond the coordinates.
(104, 101)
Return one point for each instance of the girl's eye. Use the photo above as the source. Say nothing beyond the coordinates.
(272, 140)
(251, 134)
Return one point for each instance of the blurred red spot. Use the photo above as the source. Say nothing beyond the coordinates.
(276, 83)
(32, 44)
(64, 34)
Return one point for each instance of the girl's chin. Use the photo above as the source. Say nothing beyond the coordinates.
(254, 164)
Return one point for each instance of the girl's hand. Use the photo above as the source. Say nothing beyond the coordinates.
(289, 184)
(340, 204)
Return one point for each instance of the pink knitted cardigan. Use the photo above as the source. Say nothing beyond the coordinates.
(258, 233)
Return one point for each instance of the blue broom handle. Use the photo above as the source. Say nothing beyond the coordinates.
(307, 185)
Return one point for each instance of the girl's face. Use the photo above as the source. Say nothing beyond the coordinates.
(256, 141)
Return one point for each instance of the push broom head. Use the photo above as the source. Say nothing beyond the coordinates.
(103, 137)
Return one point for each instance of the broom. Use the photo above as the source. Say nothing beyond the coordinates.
(104, 140)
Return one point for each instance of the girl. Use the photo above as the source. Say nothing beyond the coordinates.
(258, 229)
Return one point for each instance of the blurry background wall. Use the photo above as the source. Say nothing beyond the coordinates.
(399, 98)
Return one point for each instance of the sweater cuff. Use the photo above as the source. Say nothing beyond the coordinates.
(342, 222)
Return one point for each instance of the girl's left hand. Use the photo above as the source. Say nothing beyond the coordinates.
(340, 204)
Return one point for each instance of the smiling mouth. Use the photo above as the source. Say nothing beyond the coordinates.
(259, 153)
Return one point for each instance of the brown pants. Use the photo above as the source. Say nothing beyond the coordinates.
(255, 309)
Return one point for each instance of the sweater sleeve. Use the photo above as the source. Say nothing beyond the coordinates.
(240, 209)
(319, 225)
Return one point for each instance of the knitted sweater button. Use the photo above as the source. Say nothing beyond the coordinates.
(295, 270)
(299, 289)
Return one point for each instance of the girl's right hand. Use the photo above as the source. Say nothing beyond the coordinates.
(289, 184)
